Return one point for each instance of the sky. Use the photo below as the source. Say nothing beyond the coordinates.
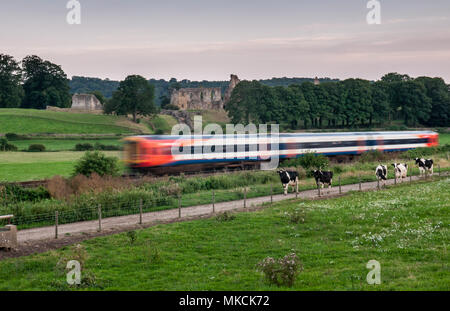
(209, 40)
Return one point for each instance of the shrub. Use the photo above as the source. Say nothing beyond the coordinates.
(296, 216)
(96, 162)
(159, 132)
(225, 216)
(15, 193)
(6, 146)
(14, 136)
(171, 107)
(84, 147)
(372, 156)
(132, 235)
(99, 146)
(308, 161)
(36, 148)
(282, 271)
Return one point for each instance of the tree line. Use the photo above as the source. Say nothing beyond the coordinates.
(348, 103)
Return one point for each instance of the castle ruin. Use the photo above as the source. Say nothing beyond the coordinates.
(203, 98)
(88, 102)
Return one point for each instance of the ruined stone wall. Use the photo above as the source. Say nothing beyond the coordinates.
(203, 98)
(197, 98)
(86, 102)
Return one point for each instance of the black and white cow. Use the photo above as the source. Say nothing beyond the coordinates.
(381, 173)
(400, 170)
(425, 165)
(323, 178)
(288, 178)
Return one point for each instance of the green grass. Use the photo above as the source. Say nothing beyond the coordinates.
(405, 228)
(444, 138)
(24, 166)
(31, 121)
(63, 144)
(162, 123)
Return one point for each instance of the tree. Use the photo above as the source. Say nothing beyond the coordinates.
(380, 103)
(45, 84)
(439, 94)
(11, 92)
(135, 95)
(99, 96)
(414, 104)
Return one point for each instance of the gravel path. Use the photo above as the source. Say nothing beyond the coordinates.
(121, 222)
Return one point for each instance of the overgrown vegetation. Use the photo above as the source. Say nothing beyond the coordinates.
(405, 228)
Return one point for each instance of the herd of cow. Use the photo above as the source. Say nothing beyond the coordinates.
(290, 178)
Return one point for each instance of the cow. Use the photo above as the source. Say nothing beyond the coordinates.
(425, 166)
(381, 173)
(288, 178)
(323, 178)
(400, 170)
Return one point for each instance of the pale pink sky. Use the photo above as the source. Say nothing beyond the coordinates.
(255, 39)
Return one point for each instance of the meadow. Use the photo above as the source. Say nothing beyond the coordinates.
(405, 228)
(31, 121)
(25, 166)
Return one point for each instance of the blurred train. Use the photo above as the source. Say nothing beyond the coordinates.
(168, 154)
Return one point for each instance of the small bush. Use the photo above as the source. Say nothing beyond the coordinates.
(15, 193)
(132, 235)
(159, 132)
(226, 216)
(102, 147)
(14, 136)
(372, 156)
(282, 271)
(84, 147)
(171, 107)
(6, 146)
(36, 148)
(96, 162)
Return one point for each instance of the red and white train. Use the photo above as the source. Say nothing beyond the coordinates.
(154, 153)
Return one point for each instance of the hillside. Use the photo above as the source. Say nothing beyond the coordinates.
(31, 121)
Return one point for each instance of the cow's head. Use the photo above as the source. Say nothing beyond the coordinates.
(394, 164)
(316, 173)
(418, 160)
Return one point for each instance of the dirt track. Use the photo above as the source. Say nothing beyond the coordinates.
(43, 238)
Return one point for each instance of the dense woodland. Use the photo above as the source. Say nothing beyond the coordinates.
(294, 103)
(348, 104)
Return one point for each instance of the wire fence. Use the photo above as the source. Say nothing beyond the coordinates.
(139, 207)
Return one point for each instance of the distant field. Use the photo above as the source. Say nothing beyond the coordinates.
(31, 121)
(405, 228)
(24, 166)
(444, 139)
(64, 144)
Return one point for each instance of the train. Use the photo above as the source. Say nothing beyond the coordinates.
(168, 154)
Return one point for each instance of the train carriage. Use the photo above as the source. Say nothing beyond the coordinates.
(163, 154)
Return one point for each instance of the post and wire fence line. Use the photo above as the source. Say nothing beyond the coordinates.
(138, 206)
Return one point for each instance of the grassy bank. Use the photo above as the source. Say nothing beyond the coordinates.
(31, 121)
(24, 166)
(405, 228)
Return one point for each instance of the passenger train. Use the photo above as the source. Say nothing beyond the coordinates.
(165, 154)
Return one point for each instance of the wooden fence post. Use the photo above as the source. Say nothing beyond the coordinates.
(213, 201)
(140, 211)
(56, 224)
(439, 170)
(179, 206)
(378, 183)
(360, 186)
(340, 188)
(318, 189)
(99, 218)
(296, 189)
(271, 193)
(245, 197)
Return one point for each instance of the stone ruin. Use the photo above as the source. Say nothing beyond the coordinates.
(203, 98)
(88, 102)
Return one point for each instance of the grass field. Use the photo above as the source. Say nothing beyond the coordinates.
(405, 228)
(24, 166)
(444, 139)
(31, 121)
(64, 144)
